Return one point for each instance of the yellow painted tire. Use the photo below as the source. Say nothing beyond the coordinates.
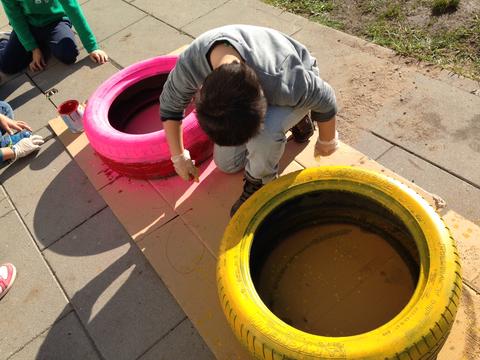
(417, 332)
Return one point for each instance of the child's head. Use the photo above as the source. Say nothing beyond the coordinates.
(231, 105)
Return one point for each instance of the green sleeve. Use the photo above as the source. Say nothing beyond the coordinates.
(19, 23)
(75, 14)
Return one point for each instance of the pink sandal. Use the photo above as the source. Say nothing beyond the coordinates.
(7, 278)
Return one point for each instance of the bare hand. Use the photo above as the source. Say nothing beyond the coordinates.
(38, 63)
(99, 56)
(10, 125)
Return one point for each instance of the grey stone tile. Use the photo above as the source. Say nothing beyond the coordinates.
(436, 121)
(64, 340)
(107, 17)
(77, 81)
(178, 13)
(183, 342)
(46, 132)
(457, 193)
(28, 103)
(5, 206)
(5, 78)
(119, 298)
(136, 42)
(241, 12)
(362, 140)
(51, 192)
(35, 300)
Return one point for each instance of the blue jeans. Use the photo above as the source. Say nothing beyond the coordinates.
(6, 109)
(260, 156)
(56, 38)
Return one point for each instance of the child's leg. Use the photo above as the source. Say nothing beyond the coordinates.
(230, 159)
(266, 149)
(6, 109)
(61, 42)
(13, 56)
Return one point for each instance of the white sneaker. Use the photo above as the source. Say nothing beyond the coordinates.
(8, 272)
(5, 35)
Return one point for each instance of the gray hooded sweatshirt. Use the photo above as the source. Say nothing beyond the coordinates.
(286, 70)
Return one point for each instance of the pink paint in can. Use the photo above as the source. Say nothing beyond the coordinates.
(71, 112)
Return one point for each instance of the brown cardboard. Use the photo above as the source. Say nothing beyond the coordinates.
(187, 268)
(467, 235)
(137, 205)
(77, 145)
(463, 343)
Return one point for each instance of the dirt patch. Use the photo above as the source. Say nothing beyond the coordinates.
(410, 27)
(355, 15)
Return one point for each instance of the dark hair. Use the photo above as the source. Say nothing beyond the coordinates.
(231, 105)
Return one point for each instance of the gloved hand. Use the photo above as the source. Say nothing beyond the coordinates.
(27, 146)
(185, 166)
(325, 148)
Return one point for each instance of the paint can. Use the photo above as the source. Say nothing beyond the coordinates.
(71, 112)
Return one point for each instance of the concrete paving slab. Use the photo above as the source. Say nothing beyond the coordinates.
(5, 78)
(35, 301)
(183, 342)
(136, 42)
(457, 193)
(120, 300)
(444, 129)
(28, 103)
(77, 81)
(107, 17)
(241, 12)
(177, 13)
(66, 339)
(51, 193)
(330, 42)
(5, 206)
(363, 141)
(45, 132)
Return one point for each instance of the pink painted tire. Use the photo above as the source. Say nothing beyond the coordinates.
(117, 100)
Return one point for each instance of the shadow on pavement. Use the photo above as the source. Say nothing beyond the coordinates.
(117, 295)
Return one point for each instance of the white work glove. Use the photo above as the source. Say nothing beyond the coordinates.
(185, 166)
(325, 148)
(27, 146)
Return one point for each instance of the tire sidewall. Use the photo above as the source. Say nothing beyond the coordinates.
(437, 257)
(132, 148)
